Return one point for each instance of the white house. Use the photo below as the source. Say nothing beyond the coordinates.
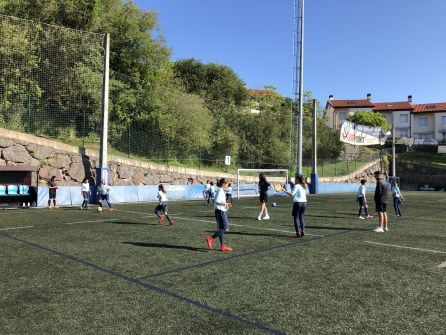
(408, 120)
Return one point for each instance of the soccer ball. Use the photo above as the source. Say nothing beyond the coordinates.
(274, 204)
(99, 209)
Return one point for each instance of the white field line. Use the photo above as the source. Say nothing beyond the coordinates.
(25, 227)
(92, 221)
(270, 229)
(154, 216)
(240, 225)
(406, 247)
(12, 211)
(442, 265)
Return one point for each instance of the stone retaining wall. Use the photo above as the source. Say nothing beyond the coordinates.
(71, 164)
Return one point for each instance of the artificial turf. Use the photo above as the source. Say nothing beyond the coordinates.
(68, 271)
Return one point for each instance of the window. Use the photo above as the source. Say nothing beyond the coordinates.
(342, 116)
(404, 118)
(403, 133)
(443, 121)
(422, 122)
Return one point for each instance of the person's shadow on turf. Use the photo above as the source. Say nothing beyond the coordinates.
(166, 246)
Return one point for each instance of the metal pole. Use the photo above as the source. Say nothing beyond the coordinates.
(105, 84)
(314, 169)
(300, 55)
(314, 186)
(102, 170)
(393, 153)
(128, 140)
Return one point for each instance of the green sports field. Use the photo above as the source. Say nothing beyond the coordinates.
(68, 271)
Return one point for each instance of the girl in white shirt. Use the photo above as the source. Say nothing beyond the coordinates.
(162, 205)
(360, 196)
(221, 209)
(85, 191)
(299, 194)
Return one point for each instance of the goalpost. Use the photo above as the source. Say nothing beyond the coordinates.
(260, 170)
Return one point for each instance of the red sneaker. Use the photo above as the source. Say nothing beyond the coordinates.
(209, 241)
(161, 219)
(111, 209)
(225, 247)
(170, 222)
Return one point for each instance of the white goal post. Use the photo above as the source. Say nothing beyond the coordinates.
(259, 170)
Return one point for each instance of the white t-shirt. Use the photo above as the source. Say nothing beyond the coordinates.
(104, 189)
(299, 193)
(361, 191)
(162, 196)
(220, 197)
(85, 187)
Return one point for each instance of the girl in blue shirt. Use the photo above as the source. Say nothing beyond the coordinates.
(397, 197)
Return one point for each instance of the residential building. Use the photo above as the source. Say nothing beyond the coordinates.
(408, 120)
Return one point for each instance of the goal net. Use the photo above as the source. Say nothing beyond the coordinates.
(247, 180)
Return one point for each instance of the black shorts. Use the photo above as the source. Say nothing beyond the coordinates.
(381, 207)
(361, 201)
(52, 193)
(263, 197)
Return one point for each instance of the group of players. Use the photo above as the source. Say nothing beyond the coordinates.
(221, 195)
(102, 192)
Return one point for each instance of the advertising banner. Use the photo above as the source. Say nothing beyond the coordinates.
(356, 134)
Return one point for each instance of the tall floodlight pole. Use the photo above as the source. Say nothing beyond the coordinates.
(298, 81)
(102, 172)
(393, 153)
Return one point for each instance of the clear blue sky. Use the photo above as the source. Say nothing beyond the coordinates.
(389, 48)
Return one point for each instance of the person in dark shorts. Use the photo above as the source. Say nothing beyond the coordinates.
(263, 197)
(362, 201)
(85, 192)
(381, 202)
(104, 194)
(162, 206)
(228, 192)
(220, 208)
(52, 187)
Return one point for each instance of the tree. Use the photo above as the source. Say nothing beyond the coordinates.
(370, 118)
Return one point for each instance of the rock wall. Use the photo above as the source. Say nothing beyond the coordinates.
(71, 164)
(366, 172)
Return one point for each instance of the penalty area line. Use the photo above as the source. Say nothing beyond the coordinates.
(92, 221)
(406, 247)
(12, 228)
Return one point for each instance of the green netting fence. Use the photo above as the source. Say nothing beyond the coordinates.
(51, 81)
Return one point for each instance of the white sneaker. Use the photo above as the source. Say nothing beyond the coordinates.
(259, 217)
(360, 217)
(369, 217)
(378, 230)
(266, 217)
(386, 229)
